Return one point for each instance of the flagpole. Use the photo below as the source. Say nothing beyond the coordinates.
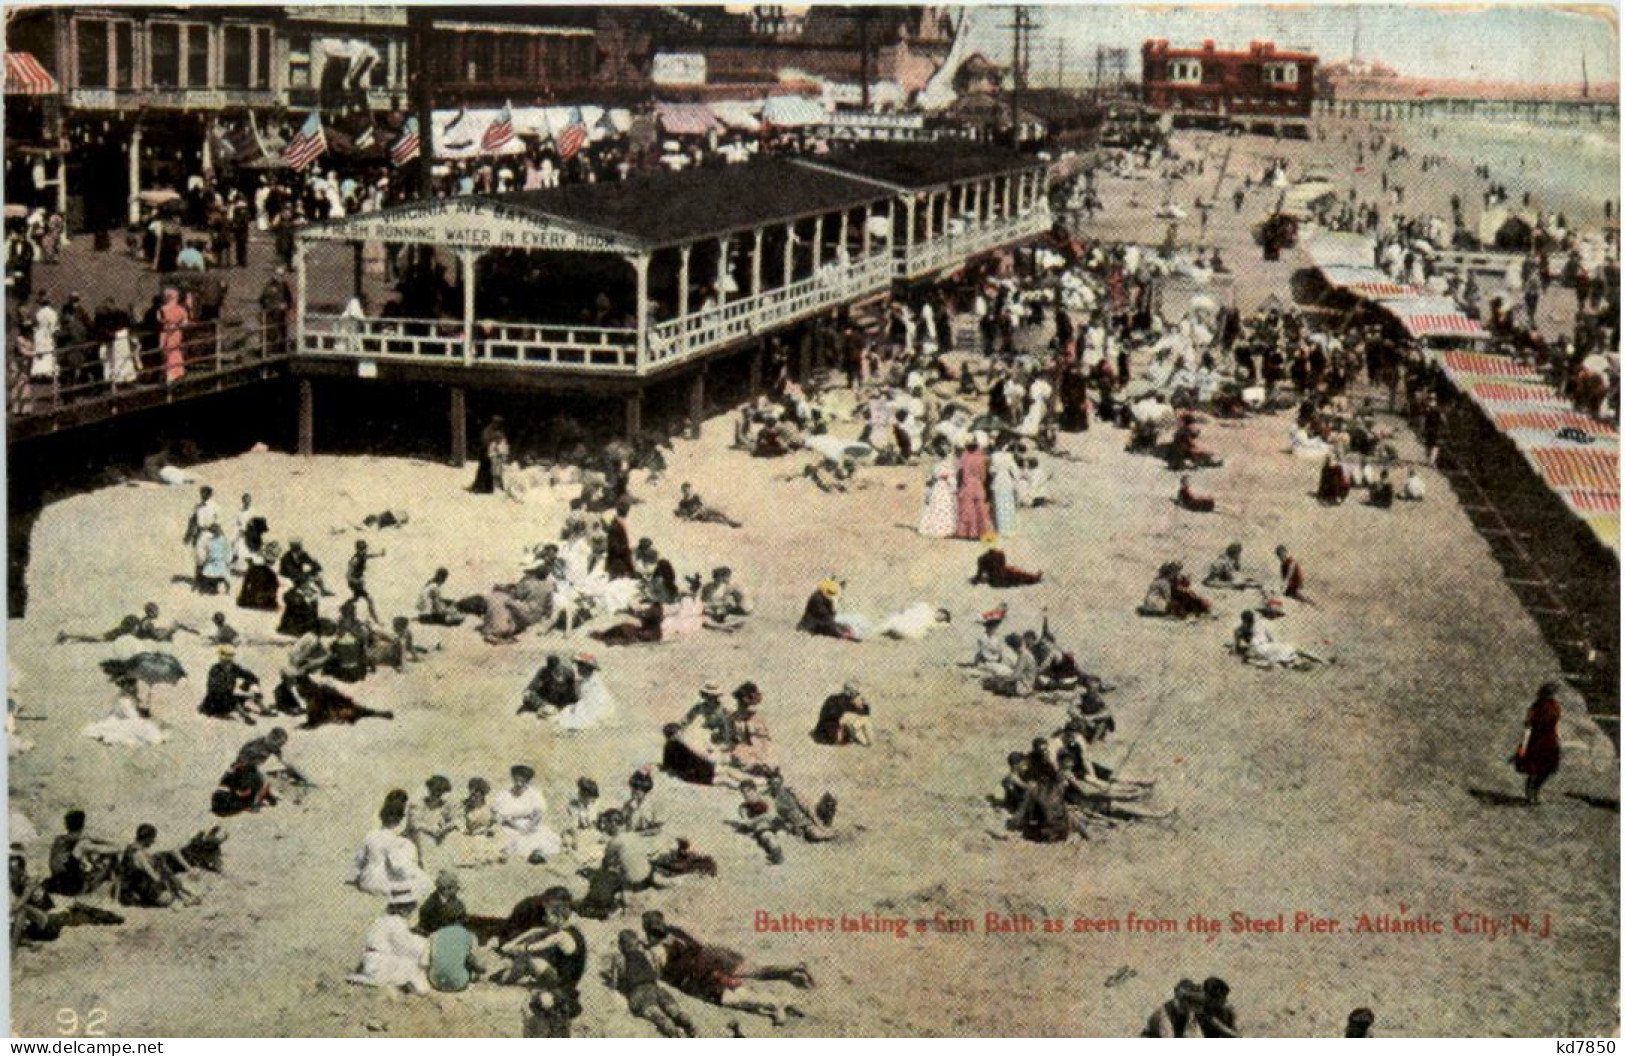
(422, 94)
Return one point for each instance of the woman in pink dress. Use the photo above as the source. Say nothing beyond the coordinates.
(974, 520)
(172, 320)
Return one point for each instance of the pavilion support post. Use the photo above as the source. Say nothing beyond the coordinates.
(756, 266)
(467, 258)
(908, 228)
(930, 217)
(818, 243)
(62, 181)
(789, 252)
(866, 214)
(682, 280)
(723, 246)
(696, 403)
(634, 414)
(307, 417)
(299, 297)
(640, 264)
(135, 175)
(1007, 197)
(459, 425)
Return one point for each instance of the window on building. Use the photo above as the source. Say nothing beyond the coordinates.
(378, 76)
(1281, 73)
(164, 51)
(1185, 71)
(515, 53)
(95, 64)
(262, 57)
(299, 61)
(238, 66)
(123, 54)
(197, 57)
(479, 58)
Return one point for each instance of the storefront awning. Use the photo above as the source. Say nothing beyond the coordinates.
(25, 76)
(687, 119)
(792, 111)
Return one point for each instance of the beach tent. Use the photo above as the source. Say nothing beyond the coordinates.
(1331, 248)
(1302, 199)
(1433, 317)
(1365, 282)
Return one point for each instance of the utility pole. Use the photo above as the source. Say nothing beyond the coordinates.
(422, 92)
(1021, 28)
(1060, 58)
(1100, 66)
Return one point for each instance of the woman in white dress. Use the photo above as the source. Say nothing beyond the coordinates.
(126, 724)
(1004, 471)
(1255, 642)
(387, 860)
(914, 622)
(594, 705)
(393, 956)
(937, 515)
(519, 813)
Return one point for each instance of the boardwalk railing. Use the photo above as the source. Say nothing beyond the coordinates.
(133, 370)
(950, 250)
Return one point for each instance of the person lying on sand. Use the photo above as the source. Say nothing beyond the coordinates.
(144, 627)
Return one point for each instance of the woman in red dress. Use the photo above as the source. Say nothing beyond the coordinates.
(974, 520)
(1537, 757)
(172, 320)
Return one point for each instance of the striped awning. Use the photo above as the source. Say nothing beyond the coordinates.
(1437, 324)
(1365, 281)
(1521, 420)
(25, 76)
(1482, 365)
(1584, 501)
(1514, 392)
(1578, 467)
(687, 119)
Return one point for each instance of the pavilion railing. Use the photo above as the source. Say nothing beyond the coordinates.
(949, 250)
(608, 349)
(698, 332)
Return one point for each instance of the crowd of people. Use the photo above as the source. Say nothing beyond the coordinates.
(1057, 341)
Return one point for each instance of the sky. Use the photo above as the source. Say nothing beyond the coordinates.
(1535, 43)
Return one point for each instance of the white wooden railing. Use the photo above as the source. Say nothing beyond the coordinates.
(505, 344)
(614, 350)
(675, 340)
(949, 250)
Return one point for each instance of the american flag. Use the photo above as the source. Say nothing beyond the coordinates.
(499, 133)
(308, 144)
(574, 136)
(406, 147)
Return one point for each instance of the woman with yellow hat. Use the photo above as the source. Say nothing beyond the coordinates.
(819, 616)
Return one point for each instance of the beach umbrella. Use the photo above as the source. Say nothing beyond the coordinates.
(150, 668)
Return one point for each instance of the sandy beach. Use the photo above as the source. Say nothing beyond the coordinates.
(1377, 785)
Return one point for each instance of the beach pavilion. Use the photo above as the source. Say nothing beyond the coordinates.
(604, 289)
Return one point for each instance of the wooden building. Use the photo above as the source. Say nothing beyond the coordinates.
(604, 289)
(1259, 87)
